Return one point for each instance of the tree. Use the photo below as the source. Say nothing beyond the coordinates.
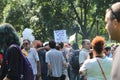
(86, 12)
(3, 3)
(45, 16)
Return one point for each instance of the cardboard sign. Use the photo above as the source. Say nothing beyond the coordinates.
(60, 36)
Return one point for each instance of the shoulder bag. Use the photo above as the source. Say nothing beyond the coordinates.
(102, 70)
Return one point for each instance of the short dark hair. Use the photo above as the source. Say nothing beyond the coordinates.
(75, 46)
(61, 44)
(52, 44)
(107, 48)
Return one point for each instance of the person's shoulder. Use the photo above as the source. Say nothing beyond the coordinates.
(88, 61)
(110, 59)
(16, 47)
(55, 50)
(13, 49)
(32, 48)
(81, 51)
(58, 52)
(49, 52)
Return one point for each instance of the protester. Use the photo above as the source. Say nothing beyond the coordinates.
(41, 53)
(55, 61)
(99, 67)
(33, 58)
(65, 53)
(84, 53)
(112, 19)
(11, 54)
(74, 62)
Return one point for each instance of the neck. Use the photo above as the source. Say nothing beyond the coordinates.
(100, 55)
(27, 49)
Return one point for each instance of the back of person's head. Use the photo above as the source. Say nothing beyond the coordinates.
(52, 44)
(75, 46)
(37, 44)
(98, 44)
(58, 46)
(61, 44)
(8, 35)
(115, 11)
(107, 48)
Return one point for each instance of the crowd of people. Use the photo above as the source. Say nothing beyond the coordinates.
(62, 61)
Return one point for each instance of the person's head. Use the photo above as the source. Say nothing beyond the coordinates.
(75, 46)
(8, 36)
(61, 44)
(52, 44)
(58, 47)
(107, 50)
(86, 44)
(112, 19)
(37, 44)
(98, 44)
(26, 44)
(47, 48)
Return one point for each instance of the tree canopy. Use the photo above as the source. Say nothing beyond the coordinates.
(45, 16)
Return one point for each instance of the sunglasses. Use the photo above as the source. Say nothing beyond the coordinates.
(26, 43)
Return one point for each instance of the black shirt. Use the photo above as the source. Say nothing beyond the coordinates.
(10, 67)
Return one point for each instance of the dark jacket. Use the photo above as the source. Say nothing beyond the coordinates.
(10, 67)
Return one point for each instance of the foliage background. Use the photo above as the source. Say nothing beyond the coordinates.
(45, 16)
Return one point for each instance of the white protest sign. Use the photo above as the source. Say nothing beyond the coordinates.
(60, 36)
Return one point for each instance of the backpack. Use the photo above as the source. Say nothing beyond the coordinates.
(74, 61)
(26, 72)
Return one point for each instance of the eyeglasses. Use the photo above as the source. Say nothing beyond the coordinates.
(26, 43)
(115, 16)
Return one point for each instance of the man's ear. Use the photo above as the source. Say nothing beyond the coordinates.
(115, 23)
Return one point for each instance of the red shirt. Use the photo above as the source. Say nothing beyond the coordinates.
(1, 57)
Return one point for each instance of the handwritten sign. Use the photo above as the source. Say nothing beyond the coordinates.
(60, 36)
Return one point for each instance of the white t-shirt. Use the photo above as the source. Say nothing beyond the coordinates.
(55, 59)
(93, 71)
(83, 55)
(33, 58)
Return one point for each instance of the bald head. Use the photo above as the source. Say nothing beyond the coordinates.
(116, 5)
(112, 19)
(115, 11)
